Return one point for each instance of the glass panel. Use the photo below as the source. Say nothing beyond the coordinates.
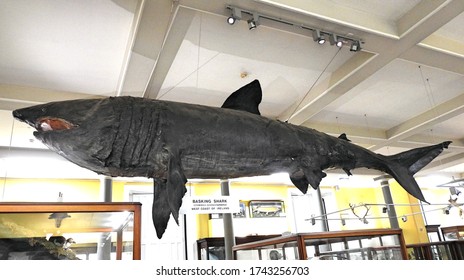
(390, 240)
(217, 253)
(85, 236)
(248, 254)
(280, 251)
(371, 242)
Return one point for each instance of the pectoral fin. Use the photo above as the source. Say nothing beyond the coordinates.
(168, 194)
(175, 186)
(314, 177)
(161, 211)
(301, 179)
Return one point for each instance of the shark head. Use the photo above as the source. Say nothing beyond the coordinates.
(80, 130)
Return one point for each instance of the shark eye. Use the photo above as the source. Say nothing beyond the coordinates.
(44, 126)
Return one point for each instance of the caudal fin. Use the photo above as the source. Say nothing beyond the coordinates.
(404, 165)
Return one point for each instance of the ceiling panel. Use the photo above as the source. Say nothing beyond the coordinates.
(453, 29)
(64, 45)
(388, 10)
(394, 94)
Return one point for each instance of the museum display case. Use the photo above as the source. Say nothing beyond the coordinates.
(78, 231)
(453, 232)
(212, 248)
(374, 244)
(442, 250)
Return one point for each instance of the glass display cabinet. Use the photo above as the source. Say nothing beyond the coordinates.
(374, 244)
(453, 232)
(441, 250)
(76, 231)
(212, 248)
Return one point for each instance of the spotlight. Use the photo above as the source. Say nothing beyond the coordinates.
(253, 22)
(355, 46)
(318, 37)
(446, 211)
(231, 20)
(404, 219)
(335, 40)
(384, 210)
(235, 15)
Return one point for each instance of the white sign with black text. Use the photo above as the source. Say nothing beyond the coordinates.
(210, 205)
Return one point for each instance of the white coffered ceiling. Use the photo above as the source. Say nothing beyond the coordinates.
(404, 89)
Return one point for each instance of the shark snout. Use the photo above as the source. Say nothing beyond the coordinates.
(17, 115)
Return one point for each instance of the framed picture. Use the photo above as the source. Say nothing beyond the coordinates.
(267, 208)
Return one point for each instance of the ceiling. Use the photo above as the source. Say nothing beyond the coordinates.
(404, 89)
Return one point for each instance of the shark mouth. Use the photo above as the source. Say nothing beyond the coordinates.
(52, 124)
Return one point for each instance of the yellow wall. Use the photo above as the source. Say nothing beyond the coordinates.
(414, 228)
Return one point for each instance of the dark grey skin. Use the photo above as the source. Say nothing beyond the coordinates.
(170, 142)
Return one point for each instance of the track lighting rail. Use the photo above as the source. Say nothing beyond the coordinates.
(318, 35)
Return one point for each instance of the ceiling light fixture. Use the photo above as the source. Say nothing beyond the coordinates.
(253, 22)
(355, 46)
(318, 37)
(236, 14)
(335, 40)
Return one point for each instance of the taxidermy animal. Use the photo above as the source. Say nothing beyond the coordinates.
(171, 141)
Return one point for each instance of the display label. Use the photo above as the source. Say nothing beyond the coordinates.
(210, 205)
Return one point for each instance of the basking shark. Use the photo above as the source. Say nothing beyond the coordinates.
(170, 142)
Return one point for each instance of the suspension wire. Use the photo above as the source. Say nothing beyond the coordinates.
(430, 98)
(312, 86)
(338, 125)
(432, 103)
(368, 130)
(195, 71)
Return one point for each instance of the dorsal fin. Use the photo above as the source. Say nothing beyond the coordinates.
(246, 98)
(343, 136)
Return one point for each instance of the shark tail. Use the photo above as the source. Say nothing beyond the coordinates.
(404, 165)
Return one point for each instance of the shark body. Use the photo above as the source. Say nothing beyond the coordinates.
(171, 141)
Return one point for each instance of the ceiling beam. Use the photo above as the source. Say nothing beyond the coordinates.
(13, 97)
(149, 28)
(437, 114)
(368, 137)
(434, 58)
(442, 163)
(178, 29)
